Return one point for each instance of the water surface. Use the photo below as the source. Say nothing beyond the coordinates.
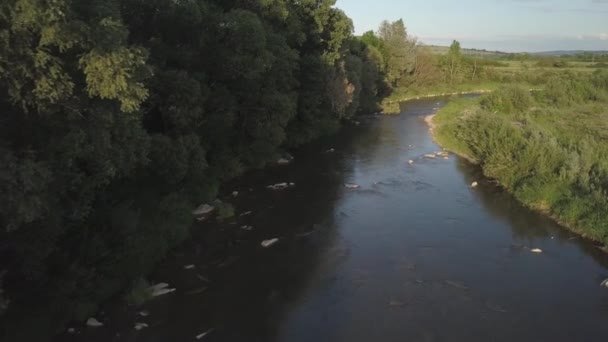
(415, 254)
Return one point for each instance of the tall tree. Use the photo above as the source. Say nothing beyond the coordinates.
(400, 50)
(453, 62)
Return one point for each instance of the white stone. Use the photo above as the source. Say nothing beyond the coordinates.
(536, 250)
(93, 322)
(268, 243)
(474, 184)
(139, 326)
(203, 209)
(352, 186)
(199, 336)
(160, 289)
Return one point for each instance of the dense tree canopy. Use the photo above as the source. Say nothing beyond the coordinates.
(116, 108)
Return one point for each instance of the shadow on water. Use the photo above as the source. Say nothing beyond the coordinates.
(237, 288)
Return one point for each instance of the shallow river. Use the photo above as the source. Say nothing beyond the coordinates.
(414, 254)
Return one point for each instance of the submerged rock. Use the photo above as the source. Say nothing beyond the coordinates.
(536, 250)
(605, 283)
(160, 289)
(144, 313)
(430, 156)
(93, 322)
(410, 162)
(331, 150)
(203, 209)
(269, 243)
(247, 228)
(283, 161)
(139, 326)
(189, 267)
(474, 185)
(281, 186)
(199, 336)
(235, 193)
(352, 186)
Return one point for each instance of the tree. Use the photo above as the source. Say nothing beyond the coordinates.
(400, 50)
(453, 62)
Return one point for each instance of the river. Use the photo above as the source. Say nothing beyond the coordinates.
(414, 254)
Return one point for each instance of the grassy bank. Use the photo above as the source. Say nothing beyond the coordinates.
(390, 105)
(550, 149)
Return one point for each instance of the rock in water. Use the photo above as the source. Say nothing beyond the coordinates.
(199, 336)
(203, 209)
(430, 156)
(270, 242)
(411, 162)
(160, 289)
(352, 186)
(283, 161)
(139, 326)
(474, 185)
(281, 186)
(605, 283)
(93, 322)
(536, 250)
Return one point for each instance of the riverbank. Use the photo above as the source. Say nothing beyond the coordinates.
(549, 162)
(390, 105)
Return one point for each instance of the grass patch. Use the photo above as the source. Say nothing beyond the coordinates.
(551, 154)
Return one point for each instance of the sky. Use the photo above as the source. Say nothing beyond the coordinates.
(505, 25)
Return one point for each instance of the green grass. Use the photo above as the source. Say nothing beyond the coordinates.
(390, 105)
(553, 156)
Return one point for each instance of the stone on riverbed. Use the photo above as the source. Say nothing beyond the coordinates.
(352, 186)
(536, 250)
(474, 185)
(430, 156)
(160, 289)
(203, 209)
(605, 283)
(281, 186)
(139, 326)
(93, 322)
(270, 242)
(283, 161)
(199, 336)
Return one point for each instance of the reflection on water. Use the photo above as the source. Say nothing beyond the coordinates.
(415, 254)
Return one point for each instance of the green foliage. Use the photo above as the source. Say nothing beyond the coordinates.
(400, 50)
(139, 293)
(118, 117)
(508, 99)
(550, 150)
(225, 211)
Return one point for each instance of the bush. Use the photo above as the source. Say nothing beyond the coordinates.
(509, 99)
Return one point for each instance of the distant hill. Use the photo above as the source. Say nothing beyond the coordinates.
(568, 52)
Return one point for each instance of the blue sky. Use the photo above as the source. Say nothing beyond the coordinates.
(506, 25)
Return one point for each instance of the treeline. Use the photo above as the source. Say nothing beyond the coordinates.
(120, 116)
(549, 148)
(408, 64)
